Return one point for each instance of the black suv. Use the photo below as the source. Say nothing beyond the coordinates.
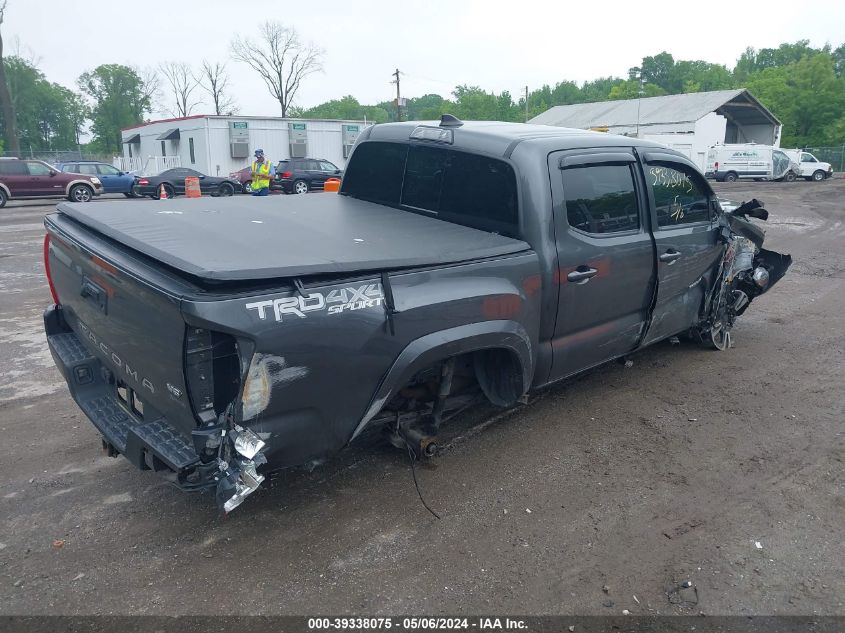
(301, 175)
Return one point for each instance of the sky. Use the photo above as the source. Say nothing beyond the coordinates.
(435, 44)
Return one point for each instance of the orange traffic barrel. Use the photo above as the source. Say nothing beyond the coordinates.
(192, 187)
(332, 184)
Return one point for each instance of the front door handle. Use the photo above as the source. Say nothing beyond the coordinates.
(670, 256)
(582, 274)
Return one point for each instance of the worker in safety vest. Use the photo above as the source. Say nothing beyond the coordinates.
(262, 173)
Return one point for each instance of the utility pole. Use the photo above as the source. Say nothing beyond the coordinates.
(398, 98)
(526, 104)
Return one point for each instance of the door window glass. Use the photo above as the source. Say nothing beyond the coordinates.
(38, 169)
(327, 166)
(678, 198)
(108, 170)
(601, 199)
(808, 158)
(71, 167)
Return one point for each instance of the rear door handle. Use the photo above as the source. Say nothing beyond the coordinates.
(670, 256)
(582, 274)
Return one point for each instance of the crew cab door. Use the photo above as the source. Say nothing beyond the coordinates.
(41, 183)
(686, 235)
(606, 267)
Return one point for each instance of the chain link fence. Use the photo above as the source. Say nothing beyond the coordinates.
(57, 156)
(833, 155)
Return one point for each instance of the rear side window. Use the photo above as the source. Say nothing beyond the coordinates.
(459, 187)
(678, 197)
(71, 167)
(87, 169)
(601, 199)
(12, 168)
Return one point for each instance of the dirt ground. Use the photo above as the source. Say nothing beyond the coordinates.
(604, 494)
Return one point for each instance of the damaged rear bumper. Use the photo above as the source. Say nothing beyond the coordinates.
(217, 456)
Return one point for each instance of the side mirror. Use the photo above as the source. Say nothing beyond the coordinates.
(337, 171)
(53, 172)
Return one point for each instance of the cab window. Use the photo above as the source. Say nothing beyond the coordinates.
(679, 196)
(601, 199)
(808, 158)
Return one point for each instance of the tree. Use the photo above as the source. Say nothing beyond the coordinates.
(121, 98)
(182, 85)
(632, 89)
(10, 128)
(806, 96)
(48, 116)
(280, 59)
(215, 81)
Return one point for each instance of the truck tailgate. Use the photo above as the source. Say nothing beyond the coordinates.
(125, 344)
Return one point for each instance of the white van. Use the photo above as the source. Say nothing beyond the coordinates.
(735, 161)
(811, 168)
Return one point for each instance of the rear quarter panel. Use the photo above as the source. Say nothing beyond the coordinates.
(328, 365)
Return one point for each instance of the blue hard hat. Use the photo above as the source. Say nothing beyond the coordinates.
(259, 152)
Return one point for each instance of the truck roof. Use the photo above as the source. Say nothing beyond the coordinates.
(500, 138)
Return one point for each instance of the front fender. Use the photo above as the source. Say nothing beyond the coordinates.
(427, 350)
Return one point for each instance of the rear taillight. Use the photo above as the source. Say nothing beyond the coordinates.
(47, 269)
(287, 174)
(143, 181)
(212, 372)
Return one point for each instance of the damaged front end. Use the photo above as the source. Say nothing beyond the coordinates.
(746, 271)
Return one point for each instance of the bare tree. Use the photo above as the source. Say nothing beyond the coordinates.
(8, 108)
(280, 58)
(214, 80)
(150, 84)
(182, 84)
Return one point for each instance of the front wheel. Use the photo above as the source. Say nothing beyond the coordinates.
(818, 175)
(300, 186)
(790, 177)
(3, 198)
(731, 177)
(80, 193)
(248, 186)
(225, 190)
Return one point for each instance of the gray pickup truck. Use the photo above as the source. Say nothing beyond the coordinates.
(217, 340)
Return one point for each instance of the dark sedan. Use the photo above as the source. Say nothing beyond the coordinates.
(173, 181)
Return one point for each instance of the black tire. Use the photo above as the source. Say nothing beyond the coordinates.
(731, 177)
(300, 186)
(819, 175)
(248, 186)
(80, 193)
(3, 198)
(789, 177)
(128, 194)
(225, 190)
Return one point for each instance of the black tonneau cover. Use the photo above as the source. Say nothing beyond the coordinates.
(243, 238)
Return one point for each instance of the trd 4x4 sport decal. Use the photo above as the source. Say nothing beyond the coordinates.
(334, 302)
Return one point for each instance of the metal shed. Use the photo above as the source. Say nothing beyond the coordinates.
(689, 123)
(219, 145)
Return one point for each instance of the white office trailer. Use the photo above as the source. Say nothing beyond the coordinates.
(688, 123)
(220, 145)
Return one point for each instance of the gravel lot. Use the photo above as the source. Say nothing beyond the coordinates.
(725, 469)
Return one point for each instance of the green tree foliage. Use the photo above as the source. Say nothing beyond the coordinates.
(807, 96)
(49, 116)
(120, 99)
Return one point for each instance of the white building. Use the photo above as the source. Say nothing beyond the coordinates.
(220, 145)
(689, 123)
